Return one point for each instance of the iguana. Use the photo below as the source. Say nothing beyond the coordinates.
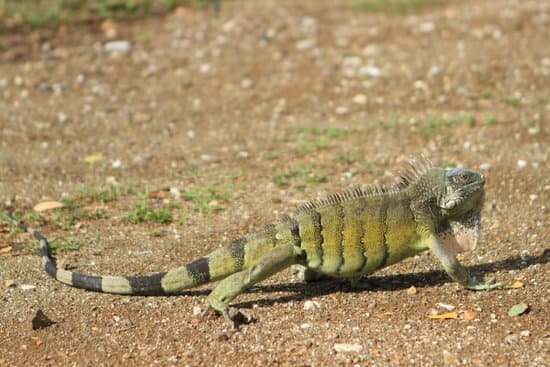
(347, 235)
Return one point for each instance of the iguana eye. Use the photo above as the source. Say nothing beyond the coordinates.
(461, 178)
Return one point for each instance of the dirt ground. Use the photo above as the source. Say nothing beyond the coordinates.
(243, 115)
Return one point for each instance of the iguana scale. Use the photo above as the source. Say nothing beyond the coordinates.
(346, 235)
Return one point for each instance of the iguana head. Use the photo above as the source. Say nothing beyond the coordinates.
(463, 192)
(460, 206)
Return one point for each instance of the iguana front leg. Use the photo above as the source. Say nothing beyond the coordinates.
(276, 260)
(458, 272)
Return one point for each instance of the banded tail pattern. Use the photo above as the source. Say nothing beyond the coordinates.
(219, 264)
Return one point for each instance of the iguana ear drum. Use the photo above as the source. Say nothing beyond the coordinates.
(462, 233)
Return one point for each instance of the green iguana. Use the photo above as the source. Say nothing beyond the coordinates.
(347, 235)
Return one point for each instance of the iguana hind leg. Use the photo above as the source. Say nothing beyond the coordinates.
(274, 261)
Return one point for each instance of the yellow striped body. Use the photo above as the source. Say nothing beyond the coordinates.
(358, 236)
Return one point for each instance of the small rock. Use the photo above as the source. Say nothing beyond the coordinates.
(27, 287)
(360, 99)
(311, 305)
(305, 44)
(484, 166)
(247, 83)
(40, 320)
(9, 283)
(121, 46)
(411, 290)
(370, 70)
(352, 61)
(511, 339)
(62, 117)
(533, 197)
(18, 81)
(426, 27)
(141, 117)
(305, 325)
(205, 68)
(191, 134)
(196, 310)
(525, 333)
(372, 50)
(434, 71)
(446, 306)
(522, 163)
(470, 315)
(243, 154)
(341, 110)
(348, 348)
(117, 163)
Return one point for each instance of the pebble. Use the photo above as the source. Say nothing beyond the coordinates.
(524, 333)
(305, 325)
(511, 339)
(348, 348)
(434, 71)
(27, 287)
(62, 117)
(247, 83)
(360, 99)
(305, 44)
(533, 197)
(484, 166)
(341, 110)
(522, 163)
(205, 68)
(426, 27)
(372, 50)
(311, 305)
(117, 46)
(18, 81)
(370, 70)
(117, 163)
(196, 310)
(446, 306)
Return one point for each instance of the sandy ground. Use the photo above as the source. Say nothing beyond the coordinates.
(270, 104)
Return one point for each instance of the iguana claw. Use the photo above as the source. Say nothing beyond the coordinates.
(225, 312)
(478, 285)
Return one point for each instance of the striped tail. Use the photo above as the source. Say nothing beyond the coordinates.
(221, 263)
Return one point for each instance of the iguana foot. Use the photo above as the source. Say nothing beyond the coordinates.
(479, 285)
(230, 314)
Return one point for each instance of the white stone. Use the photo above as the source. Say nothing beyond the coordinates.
(311, 305)
(117, 46)
(370, 70)
(522, 163)
(341, 110)
(117, 163)
(305, 44)
(426, 27)
(27, 287)
(348, 348)
(360, 99)
(484, 166)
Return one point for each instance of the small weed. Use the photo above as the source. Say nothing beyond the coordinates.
(431, 124)
(395, 6)
(102, 193)
(391, 124)
(490, 120)
(206, 198)
(469, 119)
(144, 213)
(511, 101)
(271, 156)
(347, 158)
(299, 175)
